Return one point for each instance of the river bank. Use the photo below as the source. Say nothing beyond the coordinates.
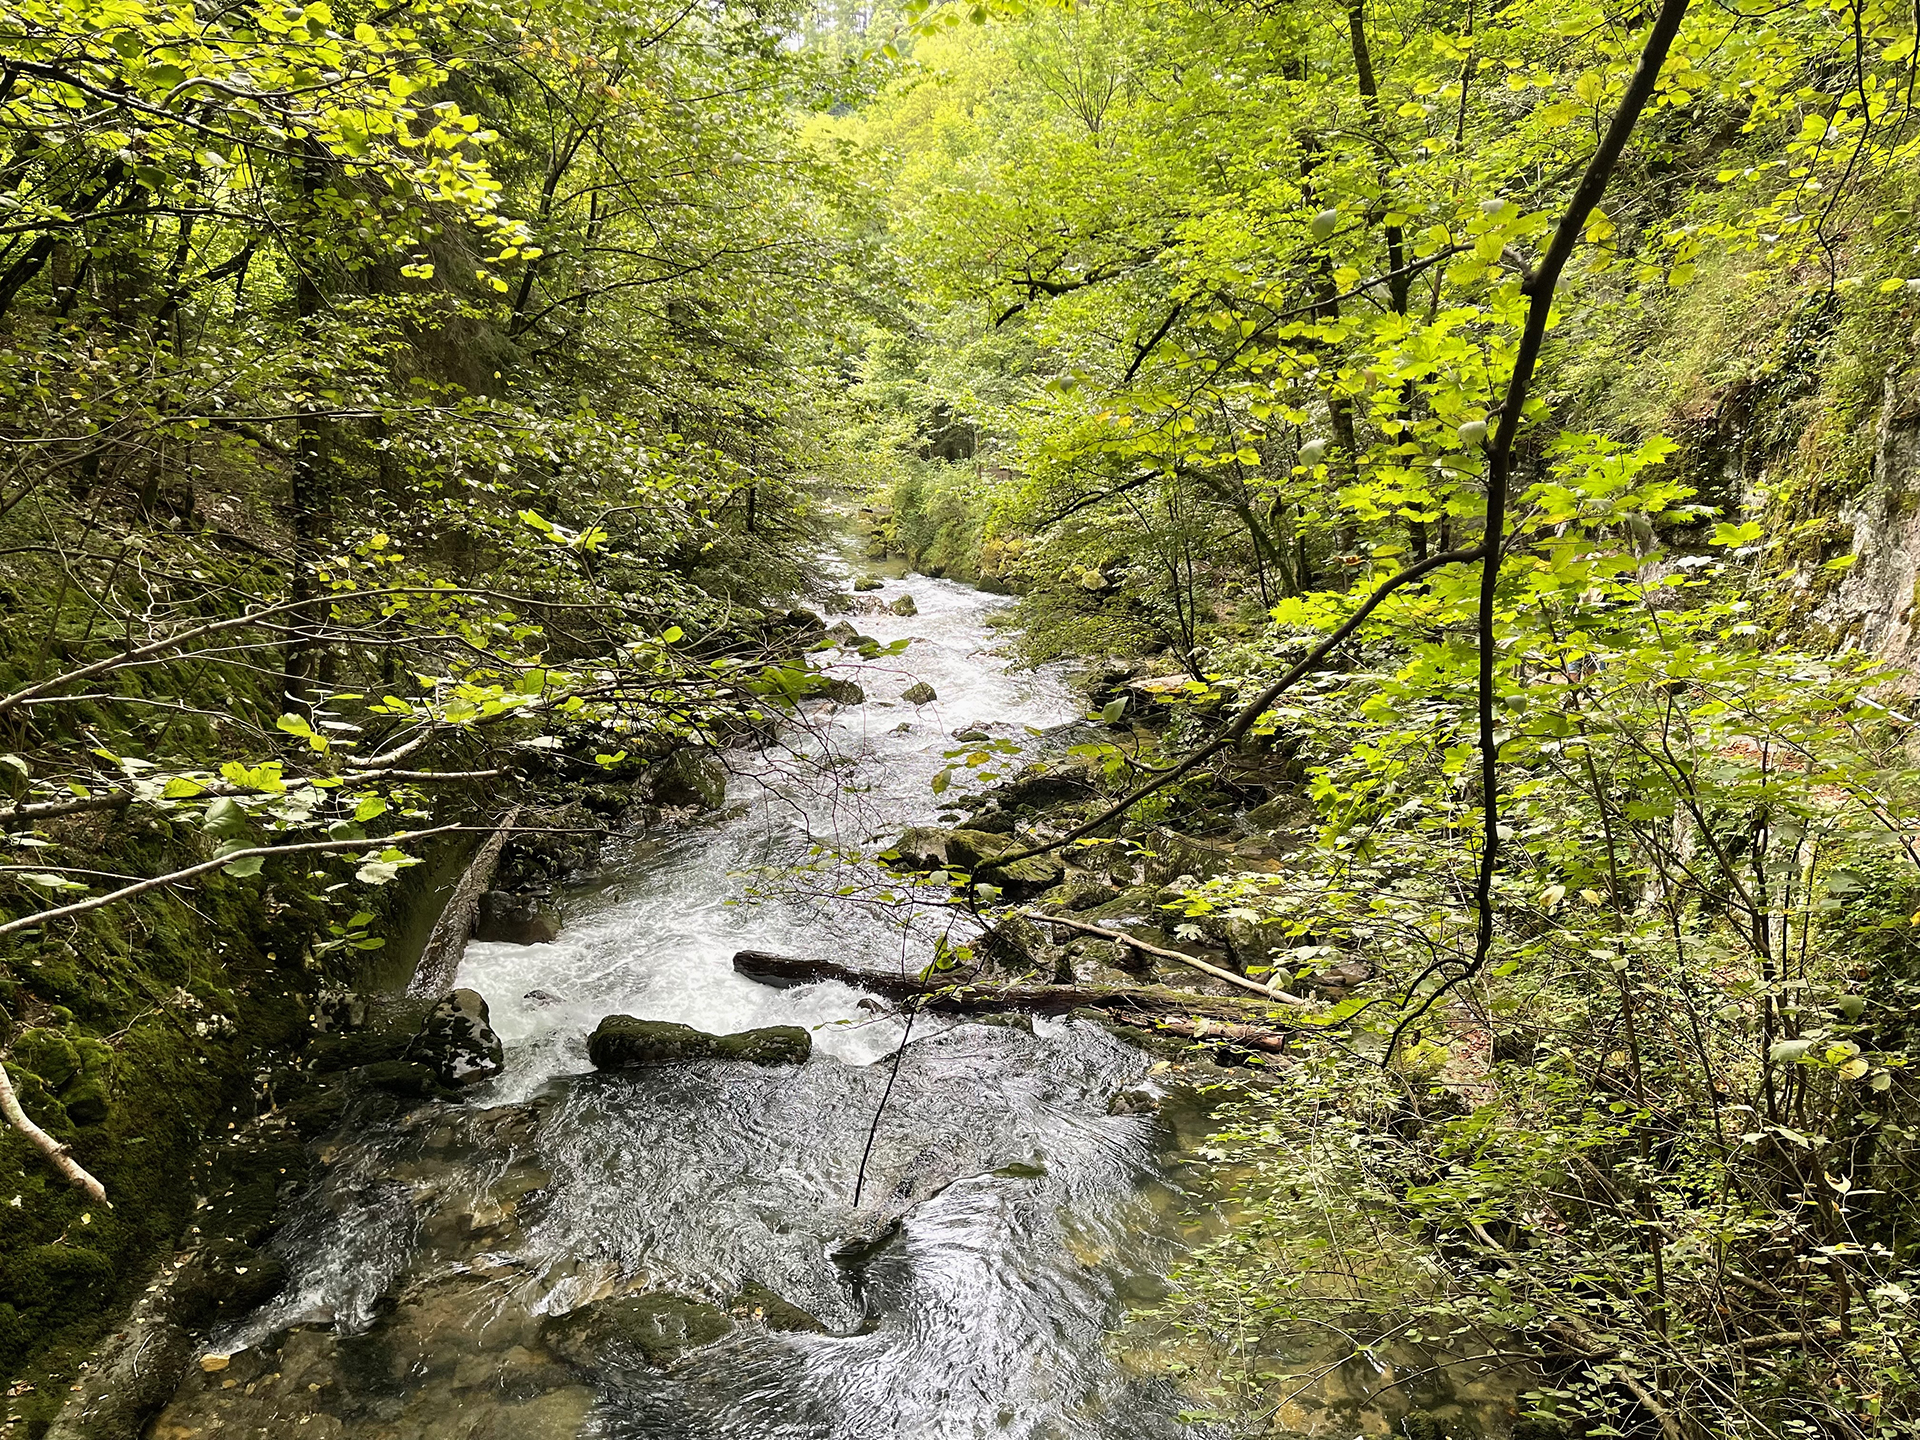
(934, 1225)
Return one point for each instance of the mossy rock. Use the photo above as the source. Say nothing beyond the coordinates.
(405, 1079)
(623, 1041)
(654, 1328)
(904, 606)
(754, 1301)
(318, 1112)
(226, 1280)
(919, 693)
(48, 1054)
(690, 779)
(868, 582)
(329, 1054)
(843, 692)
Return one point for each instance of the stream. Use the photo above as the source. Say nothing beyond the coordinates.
(676, 1252)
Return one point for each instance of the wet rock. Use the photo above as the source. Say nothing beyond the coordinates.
(931, 847)
(904, 606)
(405, 1078)
(868, 582)
(756, 1302)
(620, 1041)
(803, 619)
(133, 1374)
(1016, 943)
(690, 779)
(652, 1328)
(336, 1009)
(842, 632)
(843, 692)
(992, 822)
(224, 1281)
(837, 604)
(458, 1042)
(542, 998)
(972, 732)
(1141, 1099)
(510, 919)
(1040, 788)
(1335, 981)
(919, 693)
(1079, 892)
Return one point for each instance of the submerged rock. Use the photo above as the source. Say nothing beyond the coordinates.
(653, 1328)
(457, 1043)
(621, 1041)
(919, 693)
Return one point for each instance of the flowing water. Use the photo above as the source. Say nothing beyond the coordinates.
(676, 1252)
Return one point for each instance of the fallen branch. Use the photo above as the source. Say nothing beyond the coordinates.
(441, 956)
(1214, 1017)
(57, 1154)
(1125, 939)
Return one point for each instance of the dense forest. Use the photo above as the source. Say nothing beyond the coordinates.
(1463, 456)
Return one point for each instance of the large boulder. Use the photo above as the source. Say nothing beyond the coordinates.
(690, 779)
(843, 692)
(930, 847)
(622, 1041)
(457, 1042)
(515, 919)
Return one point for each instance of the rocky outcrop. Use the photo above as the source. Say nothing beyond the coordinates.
(1876, 600)
(623, 1041)
(457, 1042)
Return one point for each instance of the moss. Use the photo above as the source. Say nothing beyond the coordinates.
(651, 1328)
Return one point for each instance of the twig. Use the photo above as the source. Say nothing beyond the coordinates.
(57, 1154)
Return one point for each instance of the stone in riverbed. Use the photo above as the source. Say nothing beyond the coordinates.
(843, 692)
(457, 1043)
(689, 779)
(654, 1327)
(868, 582)
(623, 1041)
(929, 847)
(904, 606)
(511, 919)
(919, 693)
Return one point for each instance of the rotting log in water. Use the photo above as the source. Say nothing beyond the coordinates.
(1247, 1023)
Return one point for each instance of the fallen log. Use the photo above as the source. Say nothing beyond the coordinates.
(1248, 1023)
